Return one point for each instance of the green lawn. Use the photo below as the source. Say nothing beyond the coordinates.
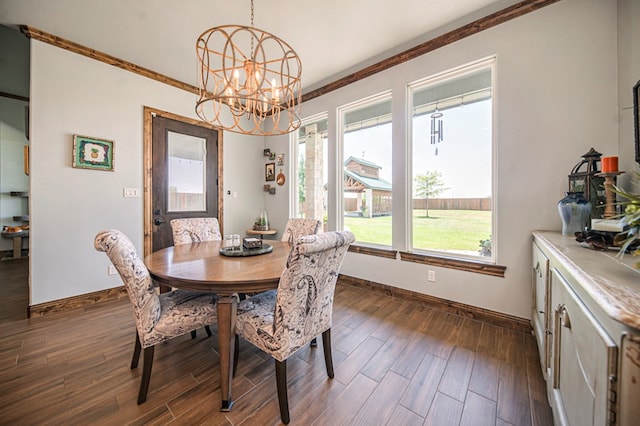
(459, 230)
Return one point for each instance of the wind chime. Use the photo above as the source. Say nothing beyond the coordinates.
(436, 129)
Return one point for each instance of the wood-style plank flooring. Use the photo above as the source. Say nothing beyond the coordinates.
(14, 288)
(397, 362)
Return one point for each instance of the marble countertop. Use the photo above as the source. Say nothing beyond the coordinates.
(613, 283)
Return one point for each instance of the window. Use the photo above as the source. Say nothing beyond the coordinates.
(186, 172)
(366, 175)
(310, 188)
(451, 209)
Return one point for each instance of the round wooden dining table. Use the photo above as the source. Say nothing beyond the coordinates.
(201, 267)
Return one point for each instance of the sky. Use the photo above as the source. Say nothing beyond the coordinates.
(463, 157)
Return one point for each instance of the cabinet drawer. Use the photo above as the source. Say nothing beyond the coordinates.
(584, 360)
(540, 309)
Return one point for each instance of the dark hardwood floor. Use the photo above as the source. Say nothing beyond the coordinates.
(397, 362)
(14, 288)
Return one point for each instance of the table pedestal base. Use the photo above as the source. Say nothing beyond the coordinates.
(226, 406)
(227, 306)
(17, 243)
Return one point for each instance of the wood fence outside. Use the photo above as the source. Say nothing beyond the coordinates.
(437, 204)
(452, 204)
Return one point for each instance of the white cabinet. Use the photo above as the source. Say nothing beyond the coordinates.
(540, 306)
(586, 319)
(584, 361)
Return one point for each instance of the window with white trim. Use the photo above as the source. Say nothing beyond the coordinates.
(452, 158)
(365, 141)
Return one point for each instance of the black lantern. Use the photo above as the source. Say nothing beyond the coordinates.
(584, 178)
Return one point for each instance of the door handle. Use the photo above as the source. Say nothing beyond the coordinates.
(563, 315)
(157, 221)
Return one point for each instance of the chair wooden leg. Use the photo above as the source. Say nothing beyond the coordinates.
(146, 374)
(283, 399)
(194, 333)
(328, 358)
(235, 355)
(136, 352)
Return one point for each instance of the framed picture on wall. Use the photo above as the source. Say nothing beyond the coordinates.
(270, 171)
(92, 153)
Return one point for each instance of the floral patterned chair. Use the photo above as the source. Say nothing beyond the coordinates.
(296, 227)
(196, 229)
(280, 322)
(158, 317)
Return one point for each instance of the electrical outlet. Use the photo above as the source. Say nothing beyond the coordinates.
(431, 276)
(112, 270)
(131, 192)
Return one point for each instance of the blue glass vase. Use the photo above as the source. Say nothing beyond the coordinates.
(575, 211)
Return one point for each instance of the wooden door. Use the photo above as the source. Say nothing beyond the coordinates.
(184, 175)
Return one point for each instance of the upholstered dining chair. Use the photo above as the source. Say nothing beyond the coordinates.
(196, 229)
(158, 317)
(296, 227)
(282, 321)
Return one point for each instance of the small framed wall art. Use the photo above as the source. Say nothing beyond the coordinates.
(270, 172)
(92, 153)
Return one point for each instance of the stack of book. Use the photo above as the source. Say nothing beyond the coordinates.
(608, 225)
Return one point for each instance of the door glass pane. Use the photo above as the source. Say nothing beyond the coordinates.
(186, 165)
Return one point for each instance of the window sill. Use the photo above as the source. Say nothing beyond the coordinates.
(462, 265)
(373, 251)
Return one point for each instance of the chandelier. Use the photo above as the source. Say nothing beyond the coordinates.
(248, 78)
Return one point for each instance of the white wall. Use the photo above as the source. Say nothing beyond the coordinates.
(72, 94)
(277, 205)
(556, 97)
(628, 76)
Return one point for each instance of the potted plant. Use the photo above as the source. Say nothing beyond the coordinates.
(261, 222)
(485, 247)
(629, 239)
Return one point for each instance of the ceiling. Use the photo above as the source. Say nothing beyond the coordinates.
(332, 37)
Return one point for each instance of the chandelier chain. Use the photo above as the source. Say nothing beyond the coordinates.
(252, 13)
(252, 26)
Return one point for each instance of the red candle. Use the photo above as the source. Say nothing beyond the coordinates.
(609, 164)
